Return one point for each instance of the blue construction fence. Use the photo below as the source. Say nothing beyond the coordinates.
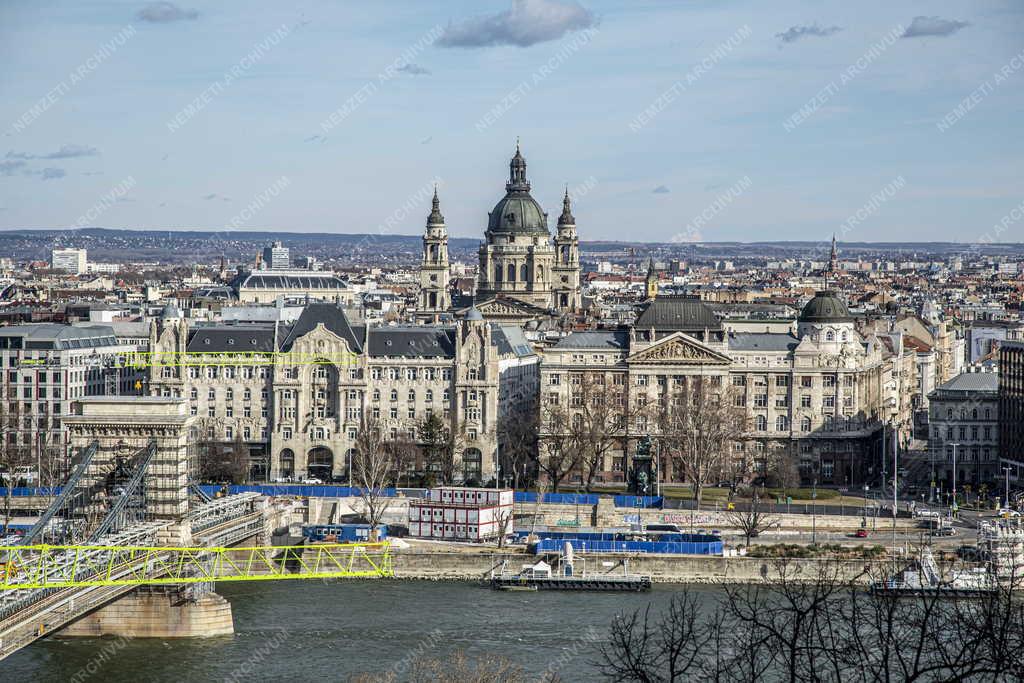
(588, 499)
(30, 491)
(678, 544)
(305, 491)
(343, 533)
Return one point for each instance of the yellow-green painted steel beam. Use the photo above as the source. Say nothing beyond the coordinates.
(78, 566)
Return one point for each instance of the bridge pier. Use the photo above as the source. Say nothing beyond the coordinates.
(158, 612)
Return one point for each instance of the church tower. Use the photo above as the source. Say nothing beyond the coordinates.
(833, 258)
(651, 281)
(434, 294)
(566, 269)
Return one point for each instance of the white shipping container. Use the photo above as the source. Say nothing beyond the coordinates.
(437, 530)
(449, 515)
(447, 495)
(461, 515)
(460, 531)
(435, 495)
(438, 514)
(414, 513)
(458, 496)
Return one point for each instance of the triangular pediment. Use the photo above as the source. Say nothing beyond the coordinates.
(509, 306)
(679, 349)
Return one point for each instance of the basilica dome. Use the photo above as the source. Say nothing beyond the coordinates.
(517, 211)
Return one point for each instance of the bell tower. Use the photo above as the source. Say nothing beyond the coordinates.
(565, 284)
(651, 281)
(434, 294)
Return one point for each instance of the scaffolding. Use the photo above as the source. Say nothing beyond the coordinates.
(33, 567)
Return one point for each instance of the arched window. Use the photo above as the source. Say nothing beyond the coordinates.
(845, 336)
(394, 394)
(830, 336)
(762, 423)
(412, 396)
(805, 424)
(511, 272)
(781, 423)
(497, 273)
(540, 272)
(974, 414)
(524, 273)
(949, 413)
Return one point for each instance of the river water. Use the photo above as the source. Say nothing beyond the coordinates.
(326, 631)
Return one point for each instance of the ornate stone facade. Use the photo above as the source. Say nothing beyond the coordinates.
(816, 396)
(297, 395)
(520, 261)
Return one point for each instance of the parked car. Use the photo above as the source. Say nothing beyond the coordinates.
(944, 531)
(311, 480)
(1007, 513)
(861, 533)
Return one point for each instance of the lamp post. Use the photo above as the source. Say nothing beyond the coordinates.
(814, 512)
(952, 507)
(1006, 470)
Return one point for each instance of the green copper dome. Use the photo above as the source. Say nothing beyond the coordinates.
(517, 211)
(826, 307)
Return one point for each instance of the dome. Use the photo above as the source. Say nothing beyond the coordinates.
(517, 212)
(826, 307)
(474, 314)
(170, 312)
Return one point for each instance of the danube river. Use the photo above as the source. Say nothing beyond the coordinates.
(309, 630)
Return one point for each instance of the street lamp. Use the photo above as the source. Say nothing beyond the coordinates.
(952, 507)
(1007, 471)
(814, 518)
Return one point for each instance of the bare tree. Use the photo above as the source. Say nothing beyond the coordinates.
(785, 470)
(454, 669)
(599, 414)
(13, 455)
(503, 521)
(518, 441)
(225, 462)
(559, 452)
(815, 622)
(753, 521)
(374, 467)
(667, 648)
(697, 427)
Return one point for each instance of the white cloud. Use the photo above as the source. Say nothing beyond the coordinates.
(526, 23)
(933, 26)
(166, 12)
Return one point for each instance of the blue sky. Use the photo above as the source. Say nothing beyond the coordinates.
(608, 63)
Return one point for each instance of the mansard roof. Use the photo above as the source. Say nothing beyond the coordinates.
(677, 314)
(246, 338)
(412, 341)
(333, 319)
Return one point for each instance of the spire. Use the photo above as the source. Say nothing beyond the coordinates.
(517, 181)
(833, 258)
(566, 218)
(435, 217)
(651, 281)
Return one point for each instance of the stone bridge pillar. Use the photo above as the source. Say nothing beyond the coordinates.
(124, 424)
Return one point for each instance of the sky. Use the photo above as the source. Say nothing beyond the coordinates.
(667, 120)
